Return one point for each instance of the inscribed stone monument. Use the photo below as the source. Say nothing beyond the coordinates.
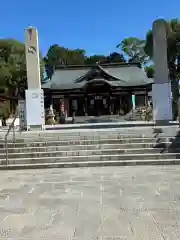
(32, 58)
(161, 89)
(34, 98)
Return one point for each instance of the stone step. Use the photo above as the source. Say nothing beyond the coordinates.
(90, 164)
(123, 146)
(110, 157)
(87, 152)
(139, 132)
(78, 135)
(61, 142)
(82, 137)
(92, 147)
(107, 128)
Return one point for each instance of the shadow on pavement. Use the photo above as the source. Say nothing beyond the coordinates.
(168, 145)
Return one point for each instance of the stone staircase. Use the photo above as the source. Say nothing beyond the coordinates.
(92, 148)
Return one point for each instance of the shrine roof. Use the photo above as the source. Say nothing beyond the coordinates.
(117, 75)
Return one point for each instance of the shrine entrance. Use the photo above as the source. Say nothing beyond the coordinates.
(98, 94)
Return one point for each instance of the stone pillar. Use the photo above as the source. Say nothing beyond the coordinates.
(32, 58)
(34, 95)
(161, 89)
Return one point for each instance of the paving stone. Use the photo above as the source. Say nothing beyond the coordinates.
(91, 203)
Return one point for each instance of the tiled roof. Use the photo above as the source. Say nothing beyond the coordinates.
(119, 75)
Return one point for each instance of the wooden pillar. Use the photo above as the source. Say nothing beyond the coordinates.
(66, 105)
(109, 105)
(85, 106)
(74, 109)
(61, 106)
(146, 98)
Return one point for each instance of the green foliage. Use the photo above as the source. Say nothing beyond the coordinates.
(149, 71)
(115, 58)
(60, 56)
(5, 109)
(148, 48)
(134, 49)
(12, 63)
(112, 58)
(13, 73)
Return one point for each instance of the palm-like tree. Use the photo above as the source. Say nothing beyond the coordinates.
(134, 49)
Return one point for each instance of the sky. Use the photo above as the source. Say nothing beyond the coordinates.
(94, 25)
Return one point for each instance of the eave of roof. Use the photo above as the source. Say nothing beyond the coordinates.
(92, 71)
(118, 64)
(119, 75)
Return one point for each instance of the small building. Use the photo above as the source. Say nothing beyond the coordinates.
(101, 89)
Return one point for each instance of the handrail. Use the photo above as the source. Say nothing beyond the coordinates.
(7, 134)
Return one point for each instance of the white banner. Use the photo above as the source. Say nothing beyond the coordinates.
(35, 107)
(162, 101)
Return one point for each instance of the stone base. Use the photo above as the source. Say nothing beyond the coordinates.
(162, 104)
(35, 108)
(35, 128)
(162, 122)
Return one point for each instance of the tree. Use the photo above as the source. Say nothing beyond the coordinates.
(12, 68)
(94, 59)
(149, 71)
(13, 73)
(134, 49)
(111, 58)
(173, 56)
(60, 56)
(116, 58)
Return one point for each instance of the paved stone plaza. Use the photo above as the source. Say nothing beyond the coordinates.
(91, 203)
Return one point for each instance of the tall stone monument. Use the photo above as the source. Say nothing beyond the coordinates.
(32, 58)
(161, 89)
(34, 98)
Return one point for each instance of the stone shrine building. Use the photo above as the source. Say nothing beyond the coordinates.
(100, 89)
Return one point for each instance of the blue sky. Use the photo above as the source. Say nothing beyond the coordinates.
(95, 25)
